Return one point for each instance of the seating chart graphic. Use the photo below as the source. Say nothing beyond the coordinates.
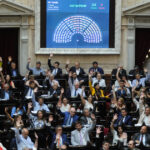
(77, 25)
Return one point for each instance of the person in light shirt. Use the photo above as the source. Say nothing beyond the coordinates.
(99, 80)
(23, 140)
(80, 136)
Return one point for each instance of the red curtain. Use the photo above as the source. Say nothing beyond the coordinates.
(142, 45)
(8, 45)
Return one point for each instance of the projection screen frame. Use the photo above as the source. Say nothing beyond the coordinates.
(73, 51)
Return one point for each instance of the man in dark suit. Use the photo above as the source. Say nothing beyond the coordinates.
(86, 118)
(6, 93)
(70, 118)
(123, 118)
(12, 70)
(135, 71)
(59, 140)
(55, 70)
(96, 69)
(78, 70)
(29, 90)
(142, 139)
(55, 90)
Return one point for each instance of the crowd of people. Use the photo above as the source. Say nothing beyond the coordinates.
(68, 108)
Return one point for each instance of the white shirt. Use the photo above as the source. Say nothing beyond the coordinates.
(77, 71)
(64, 108)
(147, 120)
(101, 82)
(54, 72)
(76, 92)
(88, 105)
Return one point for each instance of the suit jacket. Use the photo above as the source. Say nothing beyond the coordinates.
(75, 140)
(64, 141)
(54, 93)
(136, 136)
(2, 94)
(100, 70)
(82, 72)
(83, 120)
(59, 72)
(67, 115)
(128, 120)
(134, 72)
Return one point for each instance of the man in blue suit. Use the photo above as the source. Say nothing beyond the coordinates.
(70, 118)
(96, 69)
(59, 140)
(123, 118)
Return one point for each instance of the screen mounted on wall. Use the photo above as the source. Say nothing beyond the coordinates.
(77, 23)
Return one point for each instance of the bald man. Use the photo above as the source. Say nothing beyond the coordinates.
(143, 138)
(131, 145)
(23, 140)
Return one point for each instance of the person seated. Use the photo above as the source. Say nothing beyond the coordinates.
(99, 80)
(105, 146)
(75, 90)
(23, 140)
(121, 71)
(59, 140)
(50, 81)
(95, 69)
(131, 146)
(122, 91)
(122, 119)
(124, 78)
(55, 90)
(78, 70)
(135, 71)
(6, 93)
(69, 117)
(137, 83)
(63, 102)
(80, 136)
(31, 78)
(36, 71)
(95, 91)
(9, 82)
(86, 119)
(19, 109)
(55, 70)
(39, 105)
(142, 138)
(117, 104)
(29, 90)
(15, 120)
(12, 70)
(119, 136)
(36, 122)
(87, 103)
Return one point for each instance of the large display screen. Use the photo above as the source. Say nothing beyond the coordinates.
(77, 23)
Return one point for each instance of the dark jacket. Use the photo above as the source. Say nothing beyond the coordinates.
(81, 73)
(100, 70)
(59, 72)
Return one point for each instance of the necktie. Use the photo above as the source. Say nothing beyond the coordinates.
(142, 139)
(75, 93)
(81, 141)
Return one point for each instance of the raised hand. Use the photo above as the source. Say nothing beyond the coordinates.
(83, 88)
(36, 136)
(93, 117)
(62, 90)
(1, 69)
(29, 60)
(51, 55)
(70, 74)
(9, 58)
(115, 117)
(50, 119)
(30, 105)
(6, 109)
(98, 130)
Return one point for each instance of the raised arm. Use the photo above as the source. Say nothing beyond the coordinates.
(90, 128)
(112, 123)
(69, 81)
(1, 74)
(33, 100)
(8, 115)
(117, 74)
(28, 63)
(82, 98)
(36, 140)
(61, 95)
(49, 61)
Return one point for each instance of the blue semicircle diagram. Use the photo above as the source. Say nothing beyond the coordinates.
(75, 25)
